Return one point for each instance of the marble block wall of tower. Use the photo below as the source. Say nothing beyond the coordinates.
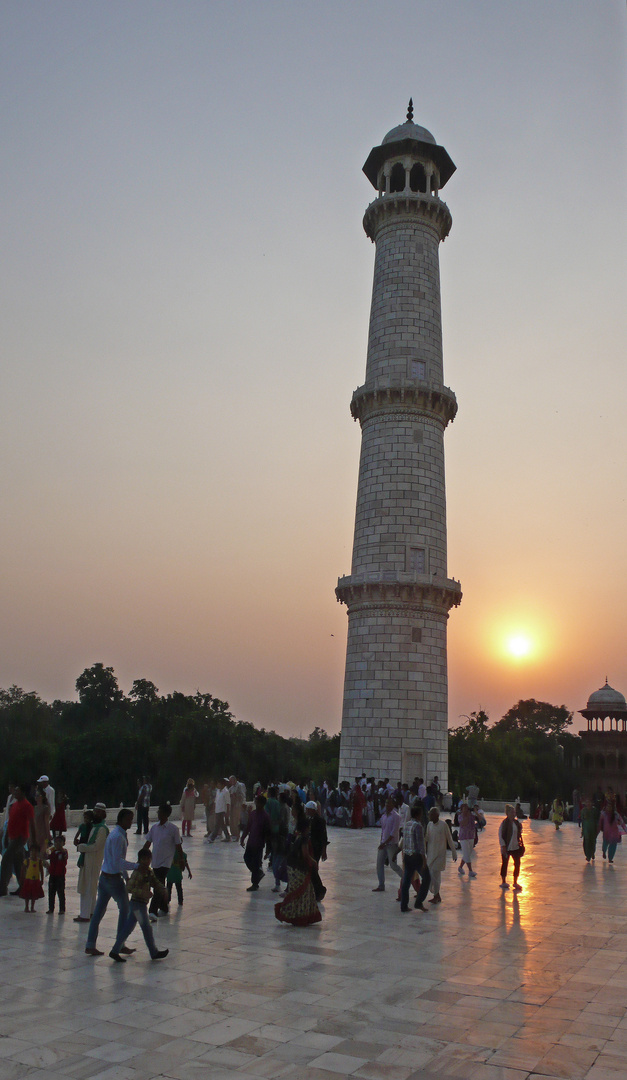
(398, 595)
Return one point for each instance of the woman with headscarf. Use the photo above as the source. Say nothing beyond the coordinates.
(557, 812)
(612, 826)
(299, 906)
(589, 828)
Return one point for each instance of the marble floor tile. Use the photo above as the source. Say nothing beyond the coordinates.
(342, 1064)
(113, 1052)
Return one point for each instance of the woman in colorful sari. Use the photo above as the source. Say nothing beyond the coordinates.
(359, 805)
(557, 812)
(612, 826)
(299, 906)
(589, 828)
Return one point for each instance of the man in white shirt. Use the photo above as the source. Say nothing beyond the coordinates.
(223, 802)
(402, 809)
(48, 789)
(166, 841)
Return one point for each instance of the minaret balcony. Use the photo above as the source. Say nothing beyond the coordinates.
(399, 589)
(429, 208)
(403, 395)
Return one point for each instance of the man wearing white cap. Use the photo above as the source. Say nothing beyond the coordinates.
(44, 782)
(90, 861)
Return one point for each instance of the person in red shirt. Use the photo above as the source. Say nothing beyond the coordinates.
(19, 831)
(56, 865)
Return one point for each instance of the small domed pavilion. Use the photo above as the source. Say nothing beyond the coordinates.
(605, 741)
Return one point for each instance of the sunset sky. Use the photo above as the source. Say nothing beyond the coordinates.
(186, 287)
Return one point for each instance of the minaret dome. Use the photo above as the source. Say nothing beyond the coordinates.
(408, 160)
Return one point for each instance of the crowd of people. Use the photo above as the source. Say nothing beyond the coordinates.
(284, 825)
(360, 805)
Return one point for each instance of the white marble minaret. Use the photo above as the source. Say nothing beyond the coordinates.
(398, 594)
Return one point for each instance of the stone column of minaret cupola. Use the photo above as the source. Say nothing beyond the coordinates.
(398, 594)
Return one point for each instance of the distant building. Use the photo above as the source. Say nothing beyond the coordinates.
(604, 756)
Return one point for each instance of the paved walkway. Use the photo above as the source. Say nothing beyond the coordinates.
(485, 987)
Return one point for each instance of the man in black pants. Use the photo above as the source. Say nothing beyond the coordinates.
(414, 861)
(142, 806)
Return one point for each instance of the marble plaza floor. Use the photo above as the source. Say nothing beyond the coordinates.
(488, 986)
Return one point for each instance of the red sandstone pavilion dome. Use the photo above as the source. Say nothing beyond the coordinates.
(606, 704)
(604, 761)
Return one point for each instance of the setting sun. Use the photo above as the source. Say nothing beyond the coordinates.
(519, 645)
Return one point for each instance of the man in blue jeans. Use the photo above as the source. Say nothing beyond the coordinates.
(112, 883)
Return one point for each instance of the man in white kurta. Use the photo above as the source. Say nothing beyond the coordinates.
(89, 872)
(237, 792)
(437, 839)
(48, 790)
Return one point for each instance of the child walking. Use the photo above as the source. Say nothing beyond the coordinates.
(142, 881)
(175, 875)
(31, 888)
(56, 864)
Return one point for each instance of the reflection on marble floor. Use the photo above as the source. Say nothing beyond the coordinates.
(488, 986)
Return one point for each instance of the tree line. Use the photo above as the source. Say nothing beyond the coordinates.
(527, 753)
(99, 746)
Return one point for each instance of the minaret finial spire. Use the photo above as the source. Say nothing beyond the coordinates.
(410, 112)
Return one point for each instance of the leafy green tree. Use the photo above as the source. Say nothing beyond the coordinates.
(318, 735)
(144, 691)
(98, 689)
(536, 718)
(27, 745)
(522, 754)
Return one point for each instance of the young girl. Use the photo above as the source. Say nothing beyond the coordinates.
(56, 865)
(32, 876)
(188, 807)
(175, 875)
(467, 835)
